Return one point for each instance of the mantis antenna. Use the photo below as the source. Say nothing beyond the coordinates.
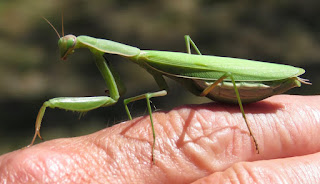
(53, 26)
(62, 23)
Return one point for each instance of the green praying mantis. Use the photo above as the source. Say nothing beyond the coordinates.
(222, 79)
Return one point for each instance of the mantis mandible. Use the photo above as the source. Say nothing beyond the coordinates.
(221, 79)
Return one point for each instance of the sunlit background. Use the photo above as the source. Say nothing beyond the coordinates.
(31, 72)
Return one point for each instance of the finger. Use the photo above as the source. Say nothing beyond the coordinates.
(286, 125)
(211, 137)
(192, 141)
(302, 169)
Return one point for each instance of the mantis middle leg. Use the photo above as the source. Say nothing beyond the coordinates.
(163, 85)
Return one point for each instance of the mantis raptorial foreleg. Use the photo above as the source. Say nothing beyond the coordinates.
(84, 104)
(214, 84)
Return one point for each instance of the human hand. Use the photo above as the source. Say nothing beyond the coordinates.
(206, 143)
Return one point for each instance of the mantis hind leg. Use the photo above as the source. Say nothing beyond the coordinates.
(208, 89)
(146, 96)
(189, 42)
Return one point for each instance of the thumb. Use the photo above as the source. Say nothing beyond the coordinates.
(301, 169)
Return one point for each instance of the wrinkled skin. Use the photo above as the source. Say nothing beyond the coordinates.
(206, 143)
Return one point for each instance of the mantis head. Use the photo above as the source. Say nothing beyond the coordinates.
(67, 45)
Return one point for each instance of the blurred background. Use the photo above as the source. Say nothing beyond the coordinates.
(31, 72)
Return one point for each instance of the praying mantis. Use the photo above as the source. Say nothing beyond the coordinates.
(223, 79)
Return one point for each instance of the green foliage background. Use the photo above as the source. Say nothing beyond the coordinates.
(31, 72)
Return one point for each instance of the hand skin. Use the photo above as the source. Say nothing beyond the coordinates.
(206, 143)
